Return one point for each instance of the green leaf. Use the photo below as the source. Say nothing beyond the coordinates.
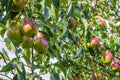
(26, 55)
(46, 13)
(115, 78)
(1, 79)
(9, 44)
(70, 10)
(53, 13)
(80, 53)
(55, 53)
(5, 54)
(64, 26)
(61, 67)
(54, 76)
(2, 29)
(84, 21)
(21, 70)
(56, 3)
(10, 66)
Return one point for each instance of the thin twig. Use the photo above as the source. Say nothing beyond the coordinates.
(3, 58)
(5, 61)
(6, 76)
(32, 62)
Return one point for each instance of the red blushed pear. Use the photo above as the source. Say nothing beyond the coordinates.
(41, 44)
(94, 42)
(97, 75)
(71, 22)
(29, 28)
(100, 75)
(107, 57)
(101, 21)
(115, 66)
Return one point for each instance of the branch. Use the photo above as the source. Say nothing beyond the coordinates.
(6, 76)
(3, 58)
(5, 61)
(32, 62)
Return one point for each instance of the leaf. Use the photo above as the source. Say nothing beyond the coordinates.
(80, 53)
(21, 70)
(2, 29)
(9, 44)
(5, 55)
(10, 66)
(55, 53)
(60, 66)
(26, 55)
(70, 10)
(64, 26)
(46, 13)
(56, 3)
(115, 78)
(15, 77)
(84, 21)
(53, 13)
(1, 79)
(54, 76)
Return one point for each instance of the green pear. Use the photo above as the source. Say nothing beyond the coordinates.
(18, 5)
(14, 32)
(27, 42)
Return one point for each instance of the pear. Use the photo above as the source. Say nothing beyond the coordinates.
(29, 28)
(94, 42)
(14, 32)
(107, 57)
(27, 42)
(18, 5)
(41, 44)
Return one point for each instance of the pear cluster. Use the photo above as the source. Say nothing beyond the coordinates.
(27, 35)
(107, 56)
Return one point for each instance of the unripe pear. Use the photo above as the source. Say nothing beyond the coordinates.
(101, 21)
(19, 3)
(71, 22)
(107, 57)
(115, 66)
(41, 44)
(94, 42)
(27, 42)
(14, 33)
(29, 28)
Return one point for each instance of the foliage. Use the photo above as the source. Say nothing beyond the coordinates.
(69, 45)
